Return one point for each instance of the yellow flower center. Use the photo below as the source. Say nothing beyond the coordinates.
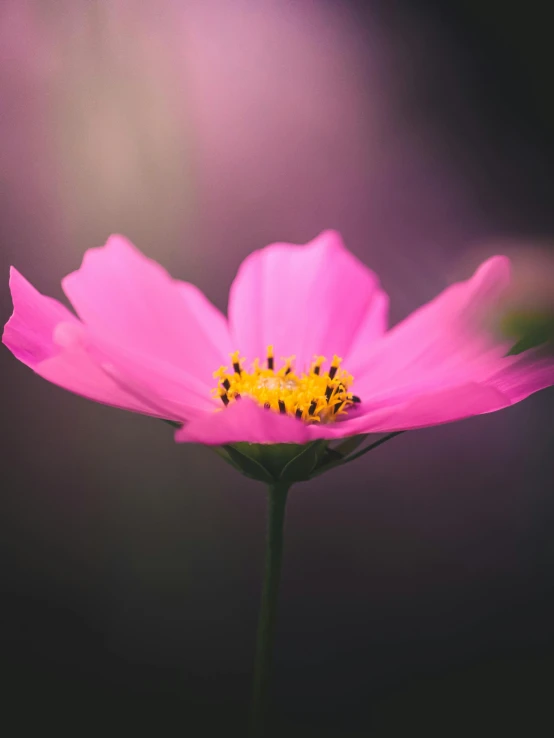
(315, 396)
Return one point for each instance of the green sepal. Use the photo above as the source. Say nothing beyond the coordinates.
(338, 455)
(275, 457)
(172, 423)
(248, 465)
(279, 462)
(220, 451)
(290, 462)
(349, 444)
(330, 461)
(303, 464)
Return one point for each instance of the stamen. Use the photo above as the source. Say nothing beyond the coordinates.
(316, 367)
(236, 362)
(313, 396)
(334, 367)
(287, 368)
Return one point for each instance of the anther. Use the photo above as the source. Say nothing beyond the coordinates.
(236, 362)
(318, 394)
(334, 367)
(316, 367)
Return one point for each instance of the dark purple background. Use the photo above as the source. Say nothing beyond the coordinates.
(417, 588)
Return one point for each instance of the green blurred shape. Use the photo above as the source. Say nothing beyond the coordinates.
(528, 328)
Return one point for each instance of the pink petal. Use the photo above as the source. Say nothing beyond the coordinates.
(444, 343)
(444, 363)
(523, 375)
(120, 293)
(76, 372)
(373, 326)
(304, 300)
(47, 337)
(158, 388)
(244, 421)
(434, 408)
(28, 333)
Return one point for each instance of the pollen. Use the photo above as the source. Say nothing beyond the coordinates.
(317, 395)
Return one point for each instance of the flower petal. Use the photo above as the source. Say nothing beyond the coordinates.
(304, 300)
(532, 371)
(43, 334)
(122, 294)
(443, 363)
(28, 333)
(169, 392)
(373, 327)
(434, 408)
(105, 372)
(75, 371)
(444, 343)
(243, 421)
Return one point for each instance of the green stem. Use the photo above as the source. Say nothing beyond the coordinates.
(277, 499)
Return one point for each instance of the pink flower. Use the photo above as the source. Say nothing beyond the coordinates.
(154, 345)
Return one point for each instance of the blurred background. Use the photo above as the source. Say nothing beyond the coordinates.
(418, 586)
